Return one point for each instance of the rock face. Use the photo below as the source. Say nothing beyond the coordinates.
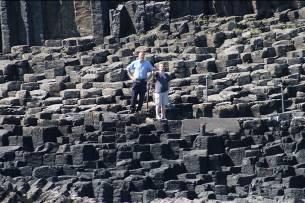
(82, 12)
(24, 22)
(235, 128)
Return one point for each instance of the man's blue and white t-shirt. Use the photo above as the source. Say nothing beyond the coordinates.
(140, 69)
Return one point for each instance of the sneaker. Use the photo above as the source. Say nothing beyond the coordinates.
(131, 111)
(158, 117)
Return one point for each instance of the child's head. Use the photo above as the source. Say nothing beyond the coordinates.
(161, 67)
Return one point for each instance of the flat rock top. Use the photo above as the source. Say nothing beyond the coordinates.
(196, 152)
(191, 126)
(5, 149)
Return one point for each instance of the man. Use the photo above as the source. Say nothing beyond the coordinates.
(138, 71)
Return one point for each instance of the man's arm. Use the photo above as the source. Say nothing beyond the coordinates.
(130, 75)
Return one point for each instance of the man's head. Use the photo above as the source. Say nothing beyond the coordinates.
(141, 55)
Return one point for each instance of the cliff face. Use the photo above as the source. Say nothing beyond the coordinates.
(32, 22)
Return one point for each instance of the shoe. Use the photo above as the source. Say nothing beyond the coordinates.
(131, 111)
(158, 117)
(163, 118)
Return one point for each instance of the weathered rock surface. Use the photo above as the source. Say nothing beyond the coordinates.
(235, 128)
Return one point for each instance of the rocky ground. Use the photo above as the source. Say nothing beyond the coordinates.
(66, 135)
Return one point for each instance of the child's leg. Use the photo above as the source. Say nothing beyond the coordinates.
(164, 103)
(163, 112)
(157, 103)
(157, 111)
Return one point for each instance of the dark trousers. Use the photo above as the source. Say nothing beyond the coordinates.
(138, 88)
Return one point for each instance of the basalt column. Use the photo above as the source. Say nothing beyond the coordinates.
(83, 20)
(266, 8)
(156, 13)
(299, 3)
(51, 17)
(5, 28)
(58, 19)
(67, 19)
(24, 24)
(137, 14)
(282, 5)
(100, 19)
(235, 8)
(21, 23)
(241, 7)
(121, 22)
(222, 8)
(13, 30)
(37, 22)
(179, 8)
(208, 8)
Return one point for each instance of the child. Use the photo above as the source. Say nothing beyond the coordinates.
(161, 91)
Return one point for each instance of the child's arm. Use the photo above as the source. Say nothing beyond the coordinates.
(168, 77)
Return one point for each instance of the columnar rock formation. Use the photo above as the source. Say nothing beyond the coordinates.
(65, 130)
(32, 22)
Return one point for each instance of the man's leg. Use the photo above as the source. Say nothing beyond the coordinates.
(142, 91)
(134, 95)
